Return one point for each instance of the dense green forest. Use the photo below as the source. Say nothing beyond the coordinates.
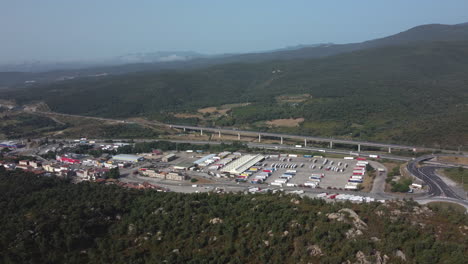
(405, 94)
(26, 125)
(49, 220)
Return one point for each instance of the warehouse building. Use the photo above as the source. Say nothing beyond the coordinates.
(168, 158)
(127, 158)
(241, 164)
(206, 160)
(11, 144)
(183, 166)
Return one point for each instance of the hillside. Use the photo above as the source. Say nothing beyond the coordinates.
(423, 33)
(47, 220)
(409, 94)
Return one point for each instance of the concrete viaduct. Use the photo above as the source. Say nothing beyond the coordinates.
(306, 139)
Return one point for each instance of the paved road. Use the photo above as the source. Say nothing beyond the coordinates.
(437, 187)
(254, 133)
(317, 139)
(379, 181)
(269, 147)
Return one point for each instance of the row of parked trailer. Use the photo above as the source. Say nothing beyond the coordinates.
(284, 178)
(286, 165)
(358, 174)
(349, 197)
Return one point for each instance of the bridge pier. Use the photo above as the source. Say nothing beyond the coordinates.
(281, 140)
(389, 150)
(201, 132)
(219, 134)
(305, 142)
(238, 136)
(184, 129)
(331, 144)
(359, 147)
(259, 138)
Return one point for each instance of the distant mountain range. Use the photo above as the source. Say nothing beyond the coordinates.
(38, 72)
(405, 88)
(151, 57)
(162, 56)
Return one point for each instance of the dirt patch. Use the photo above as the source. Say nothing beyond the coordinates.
(186, 115)
(298, 98)
(290, 122)
(230, 106)
(209, 110)
(221, 110)
(454, 159)
(368, 182)
(202, 180)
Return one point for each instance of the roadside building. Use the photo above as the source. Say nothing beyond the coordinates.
(68, 160)
(23, 164)
(35, 164)
(153, 173)
(49, 167)
(174, 176)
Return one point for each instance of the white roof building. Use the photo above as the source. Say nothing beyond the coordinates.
(127, 157)
(241, 164)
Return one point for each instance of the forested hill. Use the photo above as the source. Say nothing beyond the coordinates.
(47, 220)
(409, 93)
(423, 33)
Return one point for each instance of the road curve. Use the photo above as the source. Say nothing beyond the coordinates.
(437, 187)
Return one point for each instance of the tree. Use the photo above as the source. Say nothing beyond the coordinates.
(113, 173)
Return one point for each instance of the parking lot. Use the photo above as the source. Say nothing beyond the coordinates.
(331, 171)
(305, 171)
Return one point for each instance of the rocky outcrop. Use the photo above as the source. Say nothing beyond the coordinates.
(216, 220)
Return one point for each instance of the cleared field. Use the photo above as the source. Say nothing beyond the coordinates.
(293, 98)
(290, 122)
(209, 110)
(454, 159)
(221, 110)
(186, 115)
(458, 175)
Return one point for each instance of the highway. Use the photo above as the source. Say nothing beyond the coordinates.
(250, 133)
(310, 138)
(272, 147)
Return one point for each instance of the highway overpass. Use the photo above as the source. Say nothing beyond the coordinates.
(305, 139)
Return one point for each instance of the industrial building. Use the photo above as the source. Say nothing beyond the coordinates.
(206, 160)
(183, 166)
(173, 176)
(168, 158)
(241, 164)
(127, 158)
(11, 144)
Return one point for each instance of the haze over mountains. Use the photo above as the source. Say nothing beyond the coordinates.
(409, 87)
(156, 61)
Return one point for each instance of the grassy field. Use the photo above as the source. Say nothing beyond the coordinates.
(457, 174)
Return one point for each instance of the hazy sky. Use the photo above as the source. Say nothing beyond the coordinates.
(87, 29)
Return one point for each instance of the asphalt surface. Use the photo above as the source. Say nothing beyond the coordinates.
(317, 139)
(437, 187)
